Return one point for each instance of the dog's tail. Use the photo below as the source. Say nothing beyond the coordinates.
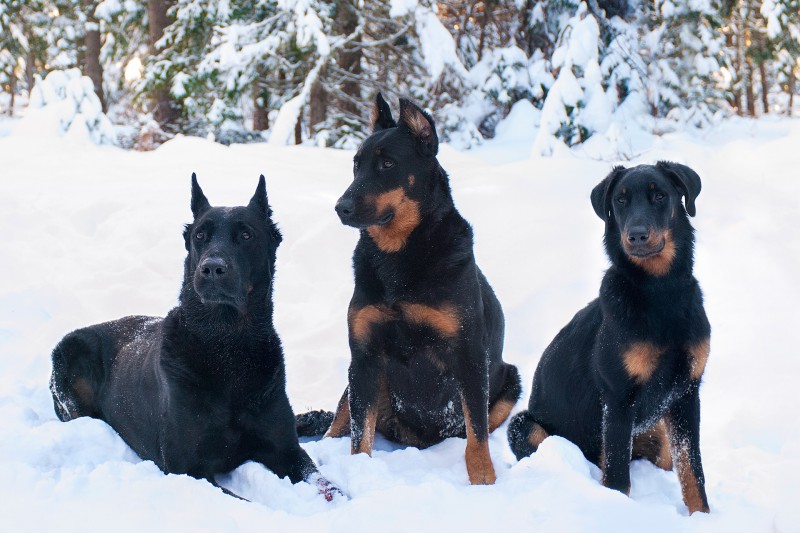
(525, 434)
(313, 423)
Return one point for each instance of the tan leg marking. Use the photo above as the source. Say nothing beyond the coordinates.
(690, 487)
(368, 438)
(698, 357)
(341, 420)
(656, 265)
(84, 392)
(361, 320)
(498, 413)
(641, 360)
(392, 237)
(538, 434)
(654, 446)
(443, 319)
(479, 463)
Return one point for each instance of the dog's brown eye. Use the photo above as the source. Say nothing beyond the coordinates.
(387, 163)
(200, 235)
(620, 199)
(246, 235)
(659, 196)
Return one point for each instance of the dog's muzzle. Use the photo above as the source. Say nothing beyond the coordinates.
(217, 283)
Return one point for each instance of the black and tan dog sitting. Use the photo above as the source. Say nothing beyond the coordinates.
(425, 328)
(622, 379)
(203, 390)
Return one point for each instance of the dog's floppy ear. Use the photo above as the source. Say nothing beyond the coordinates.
(420, 126)
(601, 194)
(382, 115)
(686, 180)
(259, 200)
(199, 201)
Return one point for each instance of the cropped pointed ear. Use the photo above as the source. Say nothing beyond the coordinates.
(259, 200)
(601, 194)
(686, 180)
(199, 201)
(420, 126)
(382, 115)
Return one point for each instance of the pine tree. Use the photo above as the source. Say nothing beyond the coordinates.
(681, 48)
(783, 30)
(13, 45)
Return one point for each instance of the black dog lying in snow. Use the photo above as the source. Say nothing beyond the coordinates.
(426, 330)
(203, 390)
(621, 380)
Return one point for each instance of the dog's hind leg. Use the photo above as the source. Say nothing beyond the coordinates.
(525, 434)
(507, 398)
(77, 375)
(654, 446)
(313, 423)
(340, 426)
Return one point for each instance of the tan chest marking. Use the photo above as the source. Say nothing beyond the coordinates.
(698, 357)
(641, 360)
(393, 236)
(443, 319)
(361, 320)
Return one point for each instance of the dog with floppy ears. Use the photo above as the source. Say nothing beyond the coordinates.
(425, 328)
(203, 390)
(622, 379)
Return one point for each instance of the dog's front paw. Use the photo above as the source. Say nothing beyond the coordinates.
(328, 490)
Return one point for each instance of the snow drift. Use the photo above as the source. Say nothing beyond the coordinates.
(96, 234)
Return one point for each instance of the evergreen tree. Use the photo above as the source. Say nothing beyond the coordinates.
(13, 46)
(783, 30)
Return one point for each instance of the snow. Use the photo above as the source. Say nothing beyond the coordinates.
(437, 45)
(94, 233)
(65, 104)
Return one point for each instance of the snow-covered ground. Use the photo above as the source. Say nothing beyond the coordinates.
(93, 233)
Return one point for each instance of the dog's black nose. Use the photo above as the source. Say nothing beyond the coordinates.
(638, 234)
(213, 267)
(345, 207)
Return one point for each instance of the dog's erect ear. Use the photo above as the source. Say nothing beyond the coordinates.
(601, 194)
(199, 201)
(686, 180)
(259, 200)
(381, 115)
(420, 126)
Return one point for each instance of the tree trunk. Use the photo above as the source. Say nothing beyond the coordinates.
(463, 27)
(349, 60)
(298, 130)
(318, 104)
(12, 85)
(748, 88)
(484, 22)
(762, 73)
(30, 70)
(525, 31)
(260, 111)
(92, 66)
(791, 85)
(165, 110)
